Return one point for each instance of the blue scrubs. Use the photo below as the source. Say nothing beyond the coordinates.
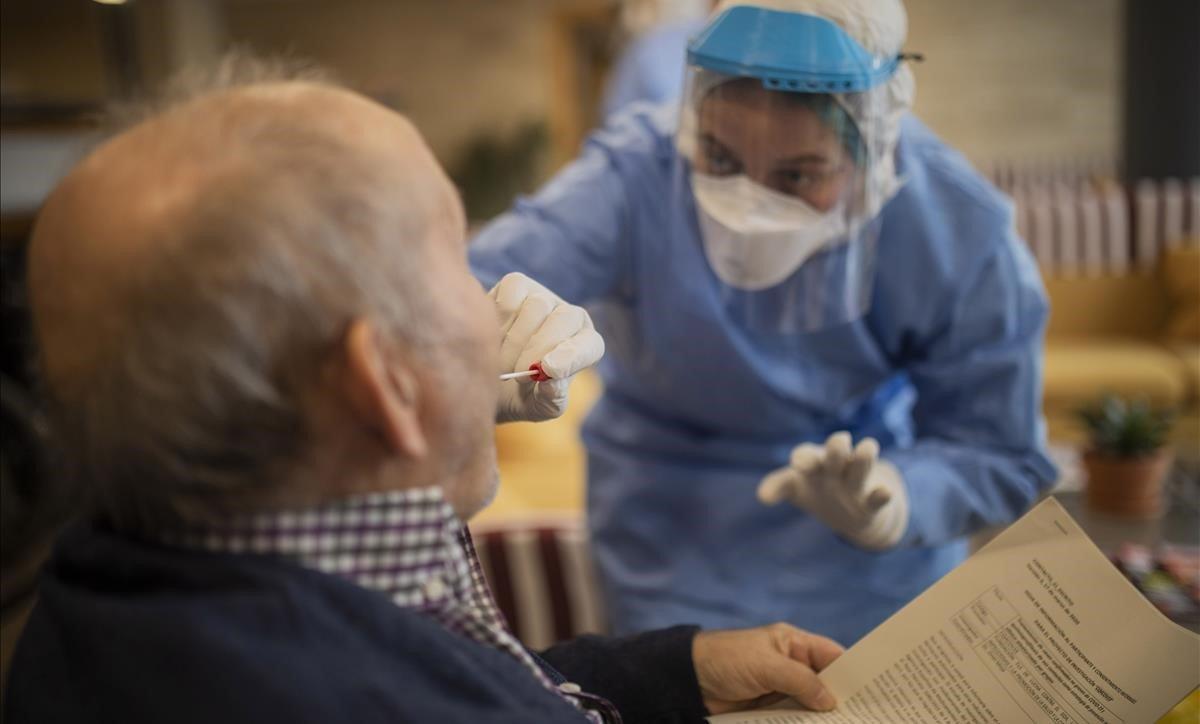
(697, 408)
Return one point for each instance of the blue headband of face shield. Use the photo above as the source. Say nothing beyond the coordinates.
(788, 51)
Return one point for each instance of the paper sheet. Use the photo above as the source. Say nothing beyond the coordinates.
(1038, 626)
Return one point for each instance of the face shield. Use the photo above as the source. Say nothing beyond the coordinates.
(789, 127)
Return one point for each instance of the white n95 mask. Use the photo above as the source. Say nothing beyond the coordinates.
(755, 237)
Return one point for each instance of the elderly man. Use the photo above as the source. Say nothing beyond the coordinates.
(277, 380)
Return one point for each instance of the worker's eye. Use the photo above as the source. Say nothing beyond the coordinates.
(717, 160)
(800, 180)
(792, 180)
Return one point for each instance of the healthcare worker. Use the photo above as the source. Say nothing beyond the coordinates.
(762, 261)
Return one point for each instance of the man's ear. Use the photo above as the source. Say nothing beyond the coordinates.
(382, 393)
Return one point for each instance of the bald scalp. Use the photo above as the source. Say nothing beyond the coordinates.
(129, 204)
(187, 276)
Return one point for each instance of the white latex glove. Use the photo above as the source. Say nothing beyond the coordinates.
(851, 490)
(538, 326)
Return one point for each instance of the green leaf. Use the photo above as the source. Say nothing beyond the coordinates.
(1126, 428)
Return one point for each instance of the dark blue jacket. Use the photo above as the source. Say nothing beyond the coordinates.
(135, 633)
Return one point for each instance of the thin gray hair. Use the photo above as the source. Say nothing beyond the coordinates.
(236, 68)
(226, 327)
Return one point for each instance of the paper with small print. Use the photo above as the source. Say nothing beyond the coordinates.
(1037, 626)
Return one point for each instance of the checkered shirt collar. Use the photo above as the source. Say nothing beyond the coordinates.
(407, 544)
(396, 542)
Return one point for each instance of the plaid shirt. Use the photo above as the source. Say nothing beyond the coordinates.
(408, 544)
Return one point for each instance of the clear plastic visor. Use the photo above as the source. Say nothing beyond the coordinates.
(787, 185)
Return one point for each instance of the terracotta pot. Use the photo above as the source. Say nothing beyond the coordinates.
(1131, 487)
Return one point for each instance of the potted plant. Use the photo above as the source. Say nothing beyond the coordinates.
(1127, 458)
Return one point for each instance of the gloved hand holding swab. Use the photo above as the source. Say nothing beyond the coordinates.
(545, 340)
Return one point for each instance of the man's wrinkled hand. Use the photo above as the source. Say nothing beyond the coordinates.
(749, 668)
(539, 326)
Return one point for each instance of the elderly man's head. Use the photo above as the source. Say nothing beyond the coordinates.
(260, 298)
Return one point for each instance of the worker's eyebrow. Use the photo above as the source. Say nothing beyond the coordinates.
(709, 139)
(805, 159)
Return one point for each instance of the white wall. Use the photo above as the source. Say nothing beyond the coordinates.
(1016, 79)
(456, 67)
(1020, 78)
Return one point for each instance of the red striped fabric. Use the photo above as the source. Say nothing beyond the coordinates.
(493, 556)
(556, 584)
(540, 571)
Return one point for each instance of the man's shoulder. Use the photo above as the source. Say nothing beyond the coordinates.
(236, 677)
(265, 642)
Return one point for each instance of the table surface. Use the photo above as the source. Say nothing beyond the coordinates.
(1180, 524)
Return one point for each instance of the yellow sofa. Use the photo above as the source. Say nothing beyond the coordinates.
(1134, 335)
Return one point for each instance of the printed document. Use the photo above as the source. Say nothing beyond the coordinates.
(1038, 626)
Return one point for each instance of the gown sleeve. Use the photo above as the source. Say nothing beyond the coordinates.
(573, 235)
(979, 456)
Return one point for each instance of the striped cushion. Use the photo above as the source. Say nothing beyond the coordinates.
(540, 571)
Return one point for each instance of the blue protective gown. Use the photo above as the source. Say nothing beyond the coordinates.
(697, 409)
